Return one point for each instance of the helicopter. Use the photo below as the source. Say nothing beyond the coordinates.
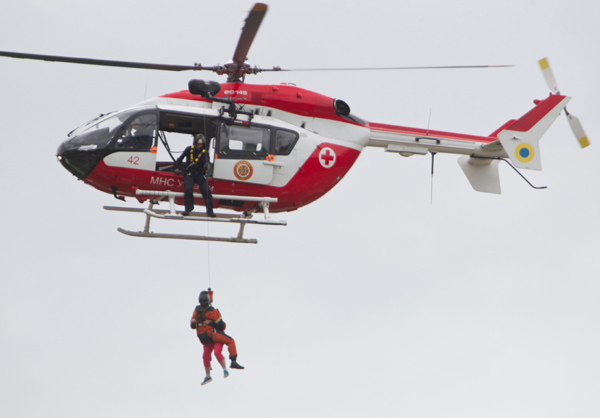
(273, 148)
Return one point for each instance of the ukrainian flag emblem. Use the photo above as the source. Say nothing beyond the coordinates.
(524, 153)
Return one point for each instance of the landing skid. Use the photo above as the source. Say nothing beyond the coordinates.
(189, 237)
(172, 214)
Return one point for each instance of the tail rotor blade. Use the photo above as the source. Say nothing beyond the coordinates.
(548, 75)
(576, 126)
(578, 130)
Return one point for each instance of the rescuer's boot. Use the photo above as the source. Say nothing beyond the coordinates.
(235, 365)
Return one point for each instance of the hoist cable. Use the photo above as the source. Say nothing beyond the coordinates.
(206, 145)
(208, 253)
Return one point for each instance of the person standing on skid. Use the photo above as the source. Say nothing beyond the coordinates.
(196, 166)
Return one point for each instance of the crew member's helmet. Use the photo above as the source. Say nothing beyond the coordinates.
(198, 138)
(204, 298)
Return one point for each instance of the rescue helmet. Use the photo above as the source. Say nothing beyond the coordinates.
(204, 298)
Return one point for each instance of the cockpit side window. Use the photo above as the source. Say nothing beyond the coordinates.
(139, 133)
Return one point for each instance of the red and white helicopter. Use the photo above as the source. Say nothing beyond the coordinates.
(274, 148)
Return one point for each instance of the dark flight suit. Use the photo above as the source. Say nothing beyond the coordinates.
(194, 173)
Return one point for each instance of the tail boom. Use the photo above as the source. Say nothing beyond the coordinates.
(516, 139)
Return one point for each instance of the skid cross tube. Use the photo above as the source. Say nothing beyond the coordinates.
(263, 202)
(171, 214)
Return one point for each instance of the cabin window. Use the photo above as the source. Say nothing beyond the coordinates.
(284, 142)
(236, 141)
(187, 124)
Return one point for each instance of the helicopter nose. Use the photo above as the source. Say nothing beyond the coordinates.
(79, 162)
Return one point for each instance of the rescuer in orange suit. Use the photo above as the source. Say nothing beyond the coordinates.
(209, 327)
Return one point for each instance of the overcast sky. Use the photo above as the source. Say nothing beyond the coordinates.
(373, 301)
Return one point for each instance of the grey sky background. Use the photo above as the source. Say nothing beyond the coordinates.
(373, 300)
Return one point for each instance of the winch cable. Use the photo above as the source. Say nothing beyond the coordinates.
(208, 253)
(207, 150)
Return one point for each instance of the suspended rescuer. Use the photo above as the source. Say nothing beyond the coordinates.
(195, 168)
(209, 326)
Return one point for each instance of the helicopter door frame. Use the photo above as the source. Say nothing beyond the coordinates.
(243, 152)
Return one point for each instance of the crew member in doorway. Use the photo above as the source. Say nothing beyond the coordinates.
(210, 327)
(195, 168)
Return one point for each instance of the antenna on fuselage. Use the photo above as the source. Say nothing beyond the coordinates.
(429, 122)
(431, 186)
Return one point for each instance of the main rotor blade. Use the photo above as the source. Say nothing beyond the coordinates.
(389, 68)
(249, 31)
(107, 63)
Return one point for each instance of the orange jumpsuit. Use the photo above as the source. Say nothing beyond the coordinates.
(213, 333)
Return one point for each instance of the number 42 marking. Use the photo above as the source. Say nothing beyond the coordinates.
(134, 160)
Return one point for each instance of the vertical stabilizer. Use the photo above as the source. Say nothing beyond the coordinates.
(521, 139)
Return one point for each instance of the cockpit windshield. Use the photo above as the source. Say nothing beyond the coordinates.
(98, 133)
(91, 122)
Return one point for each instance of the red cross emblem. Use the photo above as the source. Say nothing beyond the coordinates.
(327, 157)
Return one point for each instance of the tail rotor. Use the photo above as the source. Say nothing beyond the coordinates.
(574, 122)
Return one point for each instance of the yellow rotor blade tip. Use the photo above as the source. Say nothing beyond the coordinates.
(584, 142)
